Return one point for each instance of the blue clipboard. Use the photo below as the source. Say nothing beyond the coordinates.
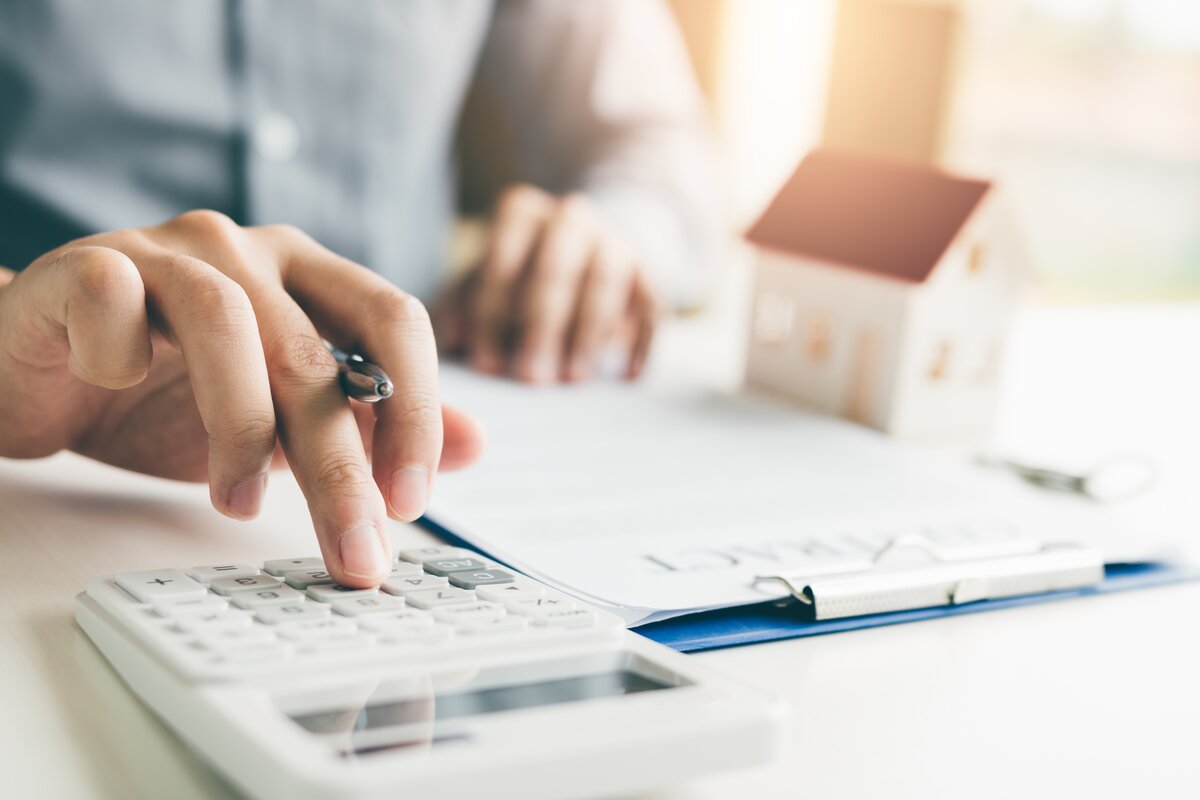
(776, 620)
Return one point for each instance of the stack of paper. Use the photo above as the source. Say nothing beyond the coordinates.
(656, 500)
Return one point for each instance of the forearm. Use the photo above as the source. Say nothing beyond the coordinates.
(600, 99)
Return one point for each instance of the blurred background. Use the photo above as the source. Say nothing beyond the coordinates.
(1086, 112)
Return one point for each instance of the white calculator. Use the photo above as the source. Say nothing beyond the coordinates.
(457, 678)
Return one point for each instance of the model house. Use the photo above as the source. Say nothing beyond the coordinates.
(883, 294)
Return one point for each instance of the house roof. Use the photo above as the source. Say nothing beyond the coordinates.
(888, 217)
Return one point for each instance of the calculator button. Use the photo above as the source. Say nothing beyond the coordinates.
(166, 585)
(302, 579)
(445, 566)
(521, 590)
(431, 598)
(468, 612)
(402, 568)
(206, 624)
(537, 606)
(413, 583)
(566, 618)
(484, 627)
(230, 637)
(316, 628)
(420, 555)
(369, 604)
(275, 615)
(281, 566)
(239, 583)
(208, 604)
(255, 653)
(206, 574)
(483, 577)
(266, 597)
(397, 621)
(433, 634)
(325, 592)
(338, 643)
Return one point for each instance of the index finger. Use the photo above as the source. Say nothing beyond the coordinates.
(371, 316)
(520, 217)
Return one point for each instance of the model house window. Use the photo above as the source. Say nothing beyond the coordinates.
(818, 339)
(940, 365)
(774, 316)
(976, 257)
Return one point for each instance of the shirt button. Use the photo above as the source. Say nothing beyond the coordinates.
(276, 137)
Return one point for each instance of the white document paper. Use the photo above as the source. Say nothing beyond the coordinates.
(655, 500)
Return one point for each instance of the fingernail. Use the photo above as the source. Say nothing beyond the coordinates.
(245, 498)
(544, 369)
(486, 362)
(409, 491)
(361, 549)
(580, 369)
(538, 369)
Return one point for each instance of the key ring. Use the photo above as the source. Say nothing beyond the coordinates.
(1117, 478)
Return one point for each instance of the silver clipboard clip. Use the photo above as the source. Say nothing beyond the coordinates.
(941, 581)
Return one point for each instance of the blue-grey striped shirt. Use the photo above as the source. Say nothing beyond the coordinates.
(338, 116)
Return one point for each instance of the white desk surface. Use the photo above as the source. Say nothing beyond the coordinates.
(1089, 698)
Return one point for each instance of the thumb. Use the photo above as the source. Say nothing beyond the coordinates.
(463, 439)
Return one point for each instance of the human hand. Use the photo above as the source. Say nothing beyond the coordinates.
(187, 350)
(554, 290)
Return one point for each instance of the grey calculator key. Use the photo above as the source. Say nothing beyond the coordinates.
(370, 604)
(445, 566)
(468, 612)
(518, 590)
(432, 598)
(281, 566)
(302, 579)
(412, 583)
(266, 597)
(167, 585)
(239, 583)
(480, 577)
(419, 555)
(566, 618)
(208, 573)
(276, 615)
(325, 592)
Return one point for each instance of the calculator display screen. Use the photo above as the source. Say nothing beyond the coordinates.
(423, 720)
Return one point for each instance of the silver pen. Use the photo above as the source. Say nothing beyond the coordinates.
(361, 380)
